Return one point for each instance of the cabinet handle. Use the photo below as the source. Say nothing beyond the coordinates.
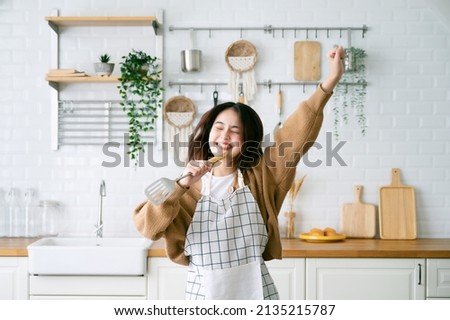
(420, 274)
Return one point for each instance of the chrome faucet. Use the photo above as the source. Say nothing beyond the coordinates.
(99, 225)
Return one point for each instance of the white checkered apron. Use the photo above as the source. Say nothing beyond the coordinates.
(224, 234)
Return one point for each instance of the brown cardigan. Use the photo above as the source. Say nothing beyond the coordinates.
(269, 182)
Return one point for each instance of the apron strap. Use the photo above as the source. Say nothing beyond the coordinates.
(240, 179)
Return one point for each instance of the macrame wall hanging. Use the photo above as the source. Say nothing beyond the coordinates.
(179, 113)
(241, 60)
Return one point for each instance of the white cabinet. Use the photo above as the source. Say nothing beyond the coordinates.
(289, 277)
(88, 287)
(365, 278)
(438, 279)
(167, 280)
(13, 278)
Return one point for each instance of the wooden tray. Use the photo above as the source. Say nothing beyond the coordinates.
(307, 60)
(397, 210)
(358, 219)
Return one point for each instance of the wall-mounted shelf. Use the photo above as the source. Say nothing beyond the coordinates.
(55, 81)
(55, 22)
(117, 21)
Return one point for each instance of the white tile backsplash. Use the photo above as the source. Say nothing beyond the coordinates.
(408, 72)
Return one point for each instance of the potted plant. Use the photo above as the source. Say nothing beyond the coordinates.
(104, 67)
(141, 92)
(351, 91)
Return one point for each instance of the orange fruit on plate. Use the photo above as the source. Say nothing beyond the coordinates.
(329, 231)
(316, 232)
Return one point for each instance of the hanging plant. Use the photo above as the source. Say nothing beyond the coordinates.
(350, 93)
(141, 92)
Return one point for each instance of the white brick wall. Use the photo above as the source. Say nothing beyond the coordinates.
(407, 102)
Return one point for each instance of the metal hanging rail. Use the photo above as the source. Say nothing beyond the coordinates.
(267, 83)
(269, 29)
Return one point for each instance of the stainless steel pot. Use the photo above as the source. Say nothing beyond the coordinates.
(191, 60)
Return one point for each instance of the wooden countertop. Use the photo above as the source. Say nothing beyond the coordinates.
(15, 247)
(294, 248)
(353, 248)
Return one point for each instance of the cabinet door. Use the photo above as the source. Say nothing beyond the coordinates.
(48, 287)
(166, 279)
(438, 278)
(366, 279)
(289, 277)
(13, 278)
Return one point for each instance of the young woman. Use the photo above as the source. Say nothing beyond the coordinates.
(222, 219)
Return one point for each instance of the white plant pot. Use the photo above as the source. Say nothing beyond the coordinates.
(103, 69)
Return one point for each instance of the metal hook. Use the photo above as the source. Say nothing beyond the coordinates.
(328, 33)
(316, 33)
(340, 33)
(303, 87)
(295, 33)
(201, 87)
(241, 33)
(210, 33)
(179, 89)
(307, 31)
(282, 33)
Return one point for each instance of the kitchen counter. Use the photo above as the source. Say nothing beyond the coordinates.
(353, 248)
(15, 247)
(294, 248)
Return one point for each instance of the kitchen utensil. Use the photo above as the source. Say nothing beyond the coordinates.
(160, 190)
(397, 209)
(191, 59)
(215, 97)
(358, 219)
(313, 238)
(307, 60)
(279, 107)
(241, 94)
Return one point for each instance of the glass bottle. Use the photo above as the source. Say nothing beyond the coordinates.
(14, 215)
(50, 216)
(3, 215)
(30, 225)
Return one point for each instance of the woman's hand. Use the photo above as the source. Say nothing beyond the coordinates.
(335, 61)
(197, 169)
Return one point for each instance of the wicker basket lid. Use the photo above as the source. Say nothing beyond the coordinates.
(179, 111)
(241, 49)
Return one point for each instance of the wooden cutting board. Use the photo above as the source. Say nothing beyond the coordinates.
(307, 60)
(358, 219)
(397, 210)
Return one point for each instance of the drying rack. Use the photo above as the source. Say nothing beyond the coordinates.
(93, 122)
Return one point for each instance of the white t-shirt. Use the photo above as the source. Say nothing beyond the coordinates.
(221, 187)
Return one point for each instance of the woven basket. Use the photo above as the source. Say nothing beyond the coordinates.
(179, 107)
(241, 48)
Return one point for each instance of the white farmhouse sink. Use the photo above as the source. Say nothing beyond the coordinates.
(88, 256)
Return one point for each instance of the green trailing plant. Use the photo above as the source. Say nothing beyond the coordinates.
(141, 92)
(104, 58)
(350, 93)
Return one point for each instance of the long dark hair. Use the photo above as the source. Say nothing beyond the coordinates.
(252, 129)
